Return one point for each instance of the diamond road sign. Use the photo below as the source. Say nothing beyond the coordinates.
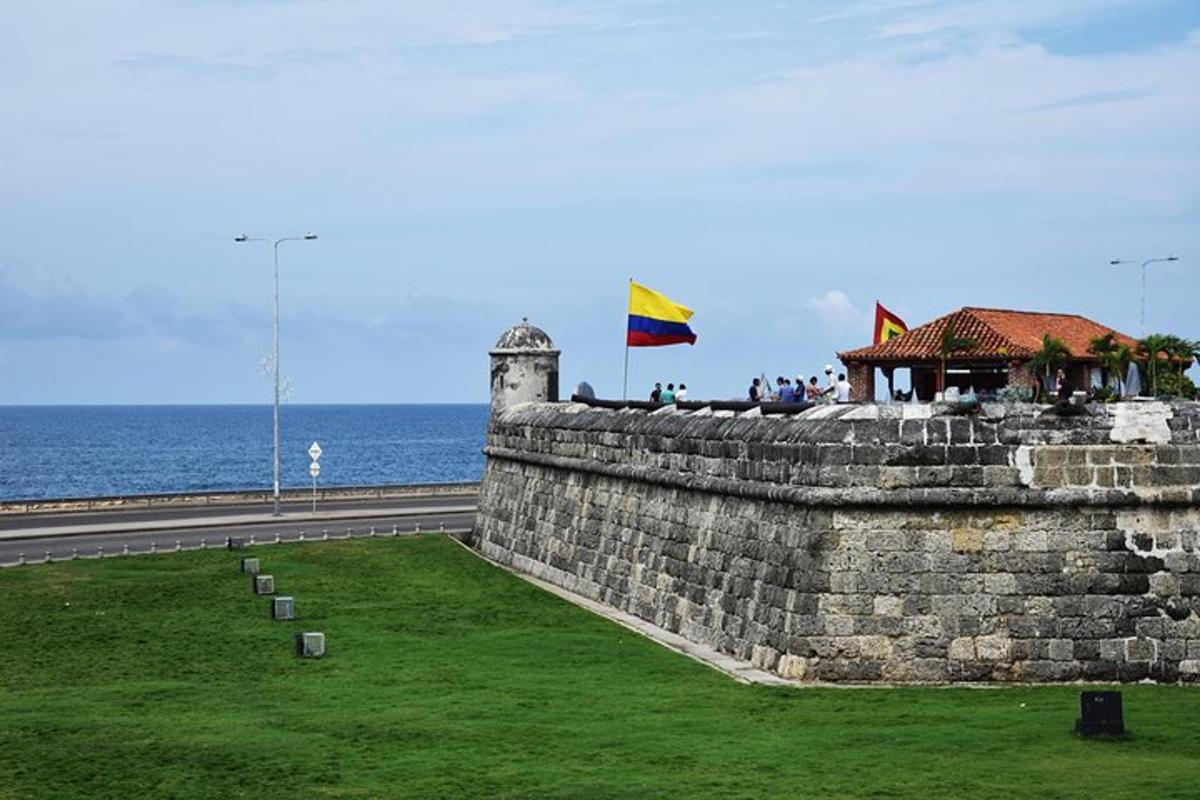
(314, 452)
(314, 469)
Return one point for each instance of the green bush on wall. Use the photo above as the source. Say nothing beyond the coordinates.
(1014, 393)
(1175, 385)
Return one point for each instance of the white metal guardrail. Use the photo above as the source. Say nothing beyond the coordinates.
(244, 496)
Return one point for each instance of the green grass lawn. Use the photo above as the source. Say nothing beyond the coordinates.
(162, 676)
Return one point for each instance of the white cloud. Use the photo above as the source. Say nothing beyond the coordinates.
(962, 124)
(835, 310)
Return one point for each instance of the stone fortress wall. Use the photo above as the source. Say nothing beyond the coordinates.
(870, 543)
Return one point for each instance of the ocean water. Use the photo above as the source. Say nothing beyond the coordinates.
(87, 451)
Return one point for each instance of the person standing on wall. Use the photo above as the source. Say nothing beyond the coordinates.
(830, 384)
(656, 394)
(814, 390)
(682, 393)
(1064, 386)
(756, 393)
(668, 394)
(843, 388)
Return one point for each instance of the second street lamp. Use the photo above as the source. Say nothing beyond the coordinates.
(1117, 262)
(276, 242)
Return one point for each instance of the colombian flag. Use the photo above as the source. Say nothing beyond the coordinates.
(654, 320)
(887, 324)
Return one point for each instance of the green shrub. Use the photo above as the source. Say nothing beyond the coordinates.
(1015, 393)
(1176, 385)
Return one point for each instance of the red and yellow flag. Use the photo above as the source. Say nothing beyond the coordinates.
(887, 324)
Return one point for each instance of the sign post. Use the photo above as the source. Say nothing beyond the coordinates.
(314, 469)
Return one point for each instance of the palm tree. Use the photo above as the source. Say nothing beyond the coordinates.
(951, 343)
(1054, 354)
(1103, 348)
(1118, 361)
(1181, 351)
(1150, 349)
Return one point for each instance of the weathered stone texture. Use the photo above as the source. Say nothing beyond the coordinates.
(870, 543)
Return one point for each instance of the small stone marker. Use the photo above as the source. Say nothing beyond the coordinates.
(1100, 713)
(235, 542)
(283, 608)
(250, 566)
(310, 645)
(264, 584)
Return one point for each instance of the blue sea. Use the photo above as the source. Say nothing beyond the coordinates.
(88, 451)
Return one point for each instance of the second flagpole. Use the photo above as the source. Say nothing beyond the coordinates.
(625, 383)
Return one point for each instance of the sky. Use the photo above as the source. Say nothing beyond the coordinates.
(778, 167)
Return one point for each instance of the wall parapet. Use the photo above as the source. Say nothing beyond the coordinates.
(1007, 454)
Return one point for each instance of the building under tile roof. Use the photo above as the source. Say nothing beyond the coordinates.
(999, 334)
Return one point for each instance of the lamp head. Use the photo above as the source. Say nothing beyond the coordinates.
(1115, 262)
(309, 236)
(1172, 258)
(241, 238)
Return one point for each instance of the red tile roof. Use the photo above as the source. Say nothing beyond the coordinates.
(999, 334)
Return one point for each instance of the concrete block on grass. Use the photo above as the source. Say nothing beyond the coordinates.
(310, 645)
(264, 584)
(283, 608)
(250, 566)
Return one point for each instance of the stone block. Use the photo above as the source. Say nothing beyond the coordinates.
(1141, 649)
(875, 647)
(967, 540)
(993, 648)
(1000, 583)
(1030, 540)
(1061, 650)
(997, 541)
(792, 666)
(283, 608)
(889, 606)
(310, 644)
(250, 566)
(263, 584)
(962, 649)
(839, 626)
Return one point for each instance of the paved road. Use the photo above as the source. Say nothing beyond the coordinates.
(134, 516)
(183, 536)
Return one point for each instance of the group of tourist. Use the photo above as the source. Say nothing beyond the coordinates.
(668, 395)
(835, 390)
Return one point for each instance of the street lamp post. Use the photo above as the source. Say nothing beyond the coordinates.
(1117, 262)
(275, 243)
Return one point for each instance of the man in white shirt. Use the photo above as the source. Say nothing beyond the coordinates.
(843, 388)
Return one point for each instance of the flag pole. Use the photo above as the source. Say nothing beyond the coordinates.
(625, 383)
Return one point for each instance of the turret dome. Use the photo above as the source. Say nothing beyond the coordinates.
(525, 338)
